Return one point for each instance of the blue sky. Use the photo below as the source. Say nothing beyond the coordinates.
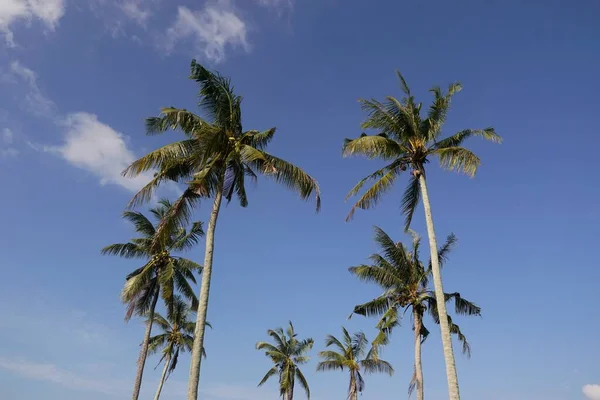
(77, 79)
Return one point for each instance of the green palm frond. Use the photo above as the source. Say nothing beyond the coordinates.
(377, 366)
(125, 250)
(458, 159)
(303, 382)
(176, 118)
(372, 146)
(385, 180)
(273, 371)
(410, 200)
(458, 138)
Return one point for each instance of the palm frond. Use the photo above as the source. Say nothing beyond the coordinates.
(329, 365)
(458, 138)
(386, 178)
(176, 118)
(270, 373)
(458, 159)
(379, 366)
(125, 250)
(372, 146)
(303, 382)
(410, 200)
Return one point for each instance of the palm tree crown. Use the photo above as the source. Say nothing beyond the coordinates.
(162, 271)
(217, 154)
(406, 140)
(405, 281)
(351, 356)
(287, 354)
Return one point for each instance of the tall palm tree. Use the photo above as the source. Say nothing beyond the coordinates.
(162, 274)
(213, 161)
(405, 281)
(177, 337)
(350, 356)
(406, 140)
(288, 353)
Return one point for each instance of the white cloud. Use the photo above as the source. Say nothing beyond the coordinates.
(136, 10)
(276, 3)
(212, 29)
(592, 392)
(35, 100)
(6, 150)
(97, 148)
(49, 12)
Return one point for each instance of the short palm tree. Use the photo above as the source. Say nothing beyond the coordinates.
(162, 274)
(351, 350)
(405, 281)
(288, 353)
(177, 337)
(406, 140)
(213, 161)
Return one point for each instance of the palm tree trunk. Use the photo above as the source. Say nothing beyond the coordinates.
(353, 395)
(144, 351)
(418, 364)
(451, 374)
(198, 345)
(162, 378)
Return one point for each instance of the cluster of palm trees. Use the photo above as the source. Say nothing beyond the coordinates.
(213, 161)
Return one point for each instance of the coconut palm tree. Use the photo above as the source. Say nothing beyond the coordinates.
(288, 353)
(163, 273)
(405, 281)
(213, 160)
(406, 140)
(351, 350)
(177, 337)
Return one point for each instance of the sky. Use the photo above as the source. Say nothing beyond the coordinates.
(78, 78)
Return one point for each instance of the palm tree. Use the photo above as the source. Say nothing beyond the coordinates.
(213, 161)
(350, 356)
(177, 337)
(407, 141)
(405, 281)
(287, 354)
(162, 274)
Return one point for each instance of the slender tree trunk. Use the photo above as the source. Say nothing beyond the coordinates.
(451, 374)
(144, 351)
(194, 379)
(162, 378)
(353, 395)
(418, 365)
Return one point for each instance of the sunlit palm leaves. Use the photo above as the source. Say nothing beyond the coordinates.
(405, 283)
(351, 353)
(176, 337)
(217, 152)
(287, 353)
(408, 140)
(163, 272)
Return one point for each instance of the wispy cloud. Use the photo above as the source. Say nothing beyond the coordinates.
(212, 30)
(138, 11)
(35, 101)
(6, 140)
(49, 12)
(592, 392)
(94, 146)
(52, 373)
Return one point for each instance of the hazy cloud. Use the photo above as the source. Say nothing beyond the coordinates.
(212, 30)
(6, 140)
(35, 101)
(49, 12)
(592, 392)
